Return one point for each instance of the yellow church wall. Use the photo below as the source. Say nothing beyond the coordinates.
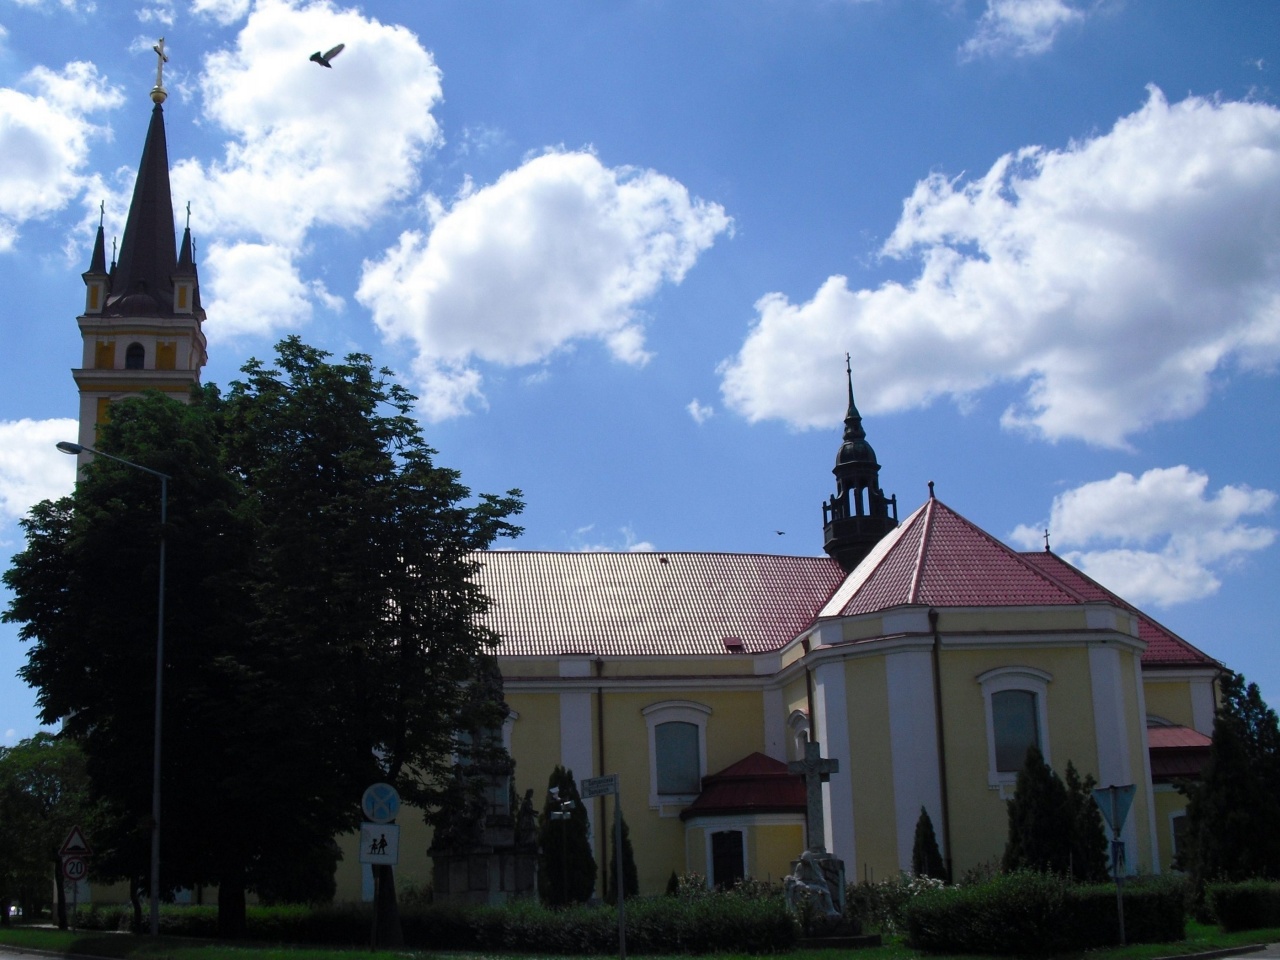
(695, 855)
(871, 769)
(535, 740)
(1170, 700)
(978, 815)
(771, 848)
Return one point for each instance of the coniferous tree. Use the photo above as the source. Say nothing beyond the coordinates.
(1233, 811)
(1039, 820)
(566, 866)
(926, 858)
(1089, 856)
(630, 876)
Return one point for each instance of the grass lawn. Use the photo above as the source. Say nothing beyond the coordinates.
(1200, 938)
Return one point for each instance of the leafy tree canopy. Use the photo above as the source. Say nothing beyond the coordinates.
(321, 622)
(566, 865)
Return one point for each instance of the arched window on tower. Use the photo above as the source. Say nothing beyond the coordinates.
(135, 357)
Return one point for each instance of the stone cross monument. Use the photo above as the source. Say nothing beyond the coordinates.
(816, 860)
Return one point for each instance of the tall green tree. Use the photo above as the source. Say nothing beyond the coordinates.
(566, 865)
(43, 795)
(322, 620)
(1039, 821)
(1089, 850)
(1232, 811)
(926, 858)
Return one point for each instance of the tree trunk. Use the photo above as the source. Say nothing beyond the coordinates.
(61, 888)
(135, 897)
(231, 912)
(386, 921)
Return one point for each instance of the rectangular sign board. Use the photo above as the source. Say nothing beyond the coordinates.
(380, 843)
(598, 786)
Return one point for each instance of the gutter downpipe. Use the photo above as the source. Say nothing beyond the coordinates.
(940, 733)
(598, 663)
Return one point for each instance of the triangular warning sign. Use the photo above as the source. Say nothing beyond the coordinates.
(75, 845)
(1114, 802)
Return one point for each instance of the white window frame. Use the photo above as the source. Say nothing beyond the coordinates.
(998, 680)
(675, 711)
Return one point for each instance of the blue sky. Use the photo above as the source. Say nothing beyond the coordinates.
(620, 250)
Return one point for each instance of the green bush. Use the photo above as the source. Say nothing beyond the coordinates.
(1247, 905)
(1026, 912)
(750, 920)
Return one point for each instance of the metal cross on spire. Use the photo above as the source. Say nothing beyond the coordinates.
(158, 92)
(816, 771)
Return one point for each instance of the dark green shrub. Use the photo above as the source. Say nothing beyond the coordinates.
(1247, 905)
(1024, 913)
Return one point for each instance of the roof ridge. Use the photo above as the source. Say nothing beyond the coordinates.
(913, 594)
(1121, 602)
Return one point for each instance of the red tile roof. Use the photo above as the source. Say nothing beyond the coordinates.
(630, 604)
(1164, 647)
(1177, 753)
(755, 784)
(938, 558)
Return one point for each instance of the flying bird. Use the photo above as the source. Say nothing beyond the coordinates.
(324, 58)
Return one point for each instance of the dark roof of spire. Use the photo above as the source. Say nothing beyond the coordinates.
(855, 448)
(143, 280)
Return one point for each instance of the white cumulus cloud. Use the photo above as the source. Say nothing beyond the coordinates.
(307, 146)
(1159, 538)
(1112, 278)
(560, 250)
(31, 467)
(225, 12)
(1019, 27)
(44, 138)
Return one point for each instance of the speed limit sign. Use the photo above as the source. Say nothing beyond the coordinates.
(74, 868)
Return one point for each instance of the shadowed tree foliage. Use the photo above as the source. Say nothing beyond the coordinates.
(1233, 811)
(1089, 850)
(926, 858)
(321, 623)
(566, 866)
(1055, 827)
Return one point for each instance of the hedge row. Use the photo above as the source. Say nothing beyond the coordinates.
(1248, 905)
(1022, 913)
(657, 925)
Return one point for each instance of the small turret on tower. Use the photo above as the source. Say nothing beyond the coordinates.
(859, 514)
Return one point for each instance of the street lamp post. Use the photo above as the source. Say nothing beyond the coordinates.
(75, 449)
(562, 810)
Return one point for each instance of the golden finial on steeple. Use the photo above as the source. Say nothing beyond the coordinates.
(158, 92)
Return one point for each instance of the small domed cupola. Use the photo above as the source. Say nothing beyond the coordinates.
(859, 514)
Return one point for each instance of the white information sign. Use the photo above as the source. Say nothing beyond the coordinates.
(380, 843)
(598, 786)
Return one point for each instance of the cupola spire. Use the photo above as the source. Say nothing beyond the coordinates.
(859, 514)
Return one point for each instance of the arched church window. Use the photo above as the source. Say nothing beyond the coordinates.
(135, 357)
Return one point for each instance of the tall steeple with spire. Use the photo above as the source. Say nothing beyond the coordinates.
(859, 515)
(142, 318)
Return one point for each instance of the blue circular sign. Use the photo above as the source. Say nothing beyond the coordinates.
(380, 803)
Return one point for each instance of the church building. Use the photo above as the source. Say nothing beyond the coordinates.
(922, 655)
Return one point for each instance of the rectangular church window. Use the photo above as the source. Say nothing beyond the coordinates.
(676, 744)
(1014, 717)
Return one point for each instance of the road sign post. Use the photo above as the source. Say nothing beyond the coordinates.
(1114, 802)
(602, 787)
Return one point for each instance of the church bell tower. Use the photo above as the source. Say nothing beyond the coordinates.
(142, 317)
(859, 514)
